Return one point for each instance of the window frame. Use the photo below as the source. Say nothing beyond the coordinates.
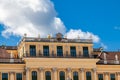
(35, 76)
(32, 50)
(46, 53)
(60, 51)
(5, 78)
(21, 75)
(73, 51)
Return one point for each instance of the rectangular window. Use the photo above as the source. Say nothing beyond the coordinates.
(85, 52)
(73, 51)
(112, 76)
(18, 76)
(88, 76)
(4, 76)
(46, 50)
(59, 51)
(100, 76)
(32, 50)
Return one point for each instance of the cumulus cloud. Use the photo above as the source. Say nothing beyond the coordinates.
(35, 17)
(29, 16)
(73, 34)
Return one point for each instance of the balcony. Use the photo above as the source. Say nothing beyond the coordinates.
(64, 40)
(11, 61)
(109, 62)
(55, 56)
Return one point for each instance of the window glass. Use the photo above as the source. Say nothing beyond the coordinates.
(32, 50)
(85, 52)
(4, 76)
(46, 50)
(88, 76)
(73, 51)
(34, 75)
(112, 76)
(75, 75)
(18, 76)
(48, 75)
(100, 76)
(62, 75)
(59, 51)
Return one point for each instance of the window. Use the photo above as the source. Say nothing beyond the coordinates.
(85, 52)
(47, 75)
(100, 76)
(4, 76)
(32, 50)
(46, 50)
(88, 76)
(112, 76)
(59, 51)
(18, 76)
(62, 75)
(73, 51)
(34, 75)
(75, 75)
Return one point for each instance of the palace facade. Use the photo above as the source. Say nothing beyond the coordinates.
(57, 58)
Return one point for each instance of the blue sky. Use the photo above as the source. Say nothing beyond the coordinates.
(100, 17)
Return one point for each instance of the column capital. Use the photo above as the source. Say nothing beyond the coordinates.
(27, 69)
(81, 69)
(106, 73)
(12, 72)
(54, 69)
(69, 69)
(94, 69)
(40, 69)
(117, 73)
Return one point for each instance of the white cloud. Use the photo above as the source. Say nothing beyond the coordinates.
(103, 45)
(35, 17)
(72, 34)
(29, 16)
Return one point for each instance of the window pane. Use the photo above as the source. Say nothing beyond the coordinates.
(32, 50)
(62, 75)
(75, 75)
(4, 76)
(59, 51)
(85, 51)
(100, 76)
(46, 50)
(88, 76)
(112, 76)
(19, 76)
(34, 75)
(73, 51)
(48, 75)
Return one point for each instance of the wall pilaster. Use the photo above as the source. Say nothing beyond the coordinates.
(54, 71)
(82, 74)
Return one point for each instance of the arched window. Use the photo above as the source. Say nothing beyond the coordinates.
(112, 76)
(62, 75)
(88, 76)
(47, 75)
(75, 75)
(34, 75)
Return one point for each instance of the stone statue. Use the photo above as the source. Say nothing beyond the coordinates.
(116, 57)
